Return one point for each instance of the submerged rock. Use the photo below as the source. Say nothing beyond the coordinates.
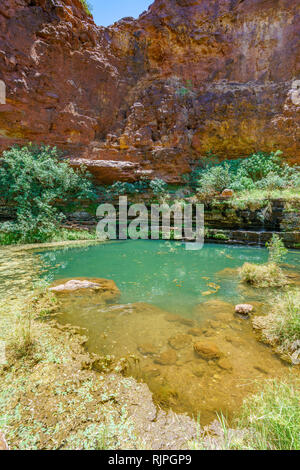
(148, 349)
(179, 341)
(214, 307)
(195, 331)
(177, 318)
(207, 350)
(167, 358)
(199, 371)
(105, 288)
(225, 364)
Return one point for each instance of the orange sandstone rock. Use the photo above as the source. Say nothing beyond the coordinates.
(147, 97)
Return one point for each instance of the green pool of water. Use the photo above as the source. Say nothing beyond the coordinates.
(160, 272)
(171, 299)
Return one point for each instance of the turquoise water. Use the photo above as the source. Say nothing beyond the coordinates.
(160, 272)
(156, 346)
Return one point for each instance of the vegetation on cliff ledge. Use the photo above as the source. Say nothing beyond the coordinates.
(88, 7)
(260, 171)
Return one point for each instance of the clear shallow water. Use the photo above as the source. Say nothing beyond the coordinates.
(159, 272)
(171, 299)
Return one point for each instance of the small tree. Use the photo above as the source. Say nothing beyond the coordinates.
(277, 250)
(32, 179)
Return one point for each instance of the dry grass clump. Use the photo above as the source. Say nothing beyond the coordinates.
(264, 275)
(21, 343)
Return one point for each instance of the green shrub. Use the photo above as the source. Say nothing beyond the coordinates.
(242, 183)
(158, 186)
(121, 188)
(271, 182)
(260, 164)
(277, 250)
(88, 7)
(33, 179)
(215, 180)
(262, 171)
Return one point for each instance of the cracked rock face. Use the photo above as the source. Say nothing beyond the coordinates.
(149, 96)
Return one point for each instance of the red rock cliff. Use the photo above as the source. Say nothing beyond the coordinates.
(149, 96)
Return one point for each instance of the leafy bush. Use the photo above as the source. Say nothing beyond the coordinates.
(33, 179)
(260, 164)
(271, 182)
(277, 250)
(158, 186)
(215, 179)
(263, 171)
(120, 188)
(242, 183)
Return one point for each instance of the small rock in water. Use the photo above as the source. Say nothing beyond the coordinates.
(179, 341)
(244, 309)
(151, 371)
(167, 358)
(199, 371)
(148, 349)
(195, 332)
(207, 350)
(177, 318)
(225, 364)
